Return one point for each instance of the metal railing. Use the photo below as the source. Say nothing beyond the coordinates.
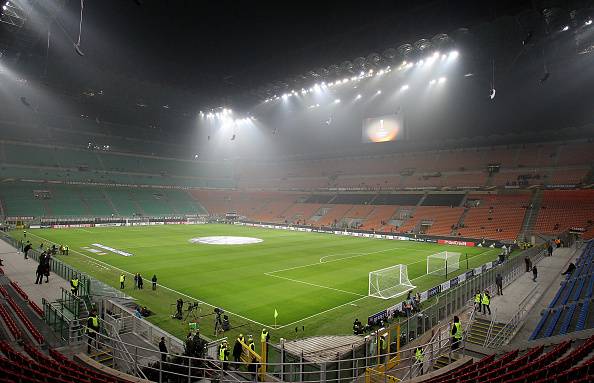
(150, 363)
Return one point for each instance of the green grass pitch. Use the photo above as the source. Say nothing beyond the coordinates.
(315, 281)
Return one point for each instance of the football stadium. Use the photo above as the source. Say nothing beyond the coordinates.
(296, 192)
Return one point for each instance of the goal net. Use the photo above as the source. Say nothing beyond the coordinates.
(443, 263)
(389, 282)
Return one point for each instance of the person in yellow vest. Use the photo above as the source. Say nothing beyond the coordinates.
(485, 301)
(477, 301)
(264, 338)
(74, 285)
(92, 330)
(456, 332)
(253, 366)
(419, 358)
(122, 280)
(224, 354)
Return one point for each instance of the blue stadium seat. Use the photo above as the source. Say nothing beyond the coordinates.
(558, 295)
(554, 319)
(567, 319)
(540, 325)
(583, 315)
(578, 290)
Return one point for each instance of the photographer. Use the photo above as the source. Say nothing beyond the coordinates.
(179, 308)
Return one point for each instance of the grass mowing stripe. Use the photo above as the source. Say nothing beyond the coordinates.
(161, 285)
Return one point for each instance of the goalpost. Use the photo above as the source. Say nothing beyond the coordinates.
(443, 263)
(389, 282)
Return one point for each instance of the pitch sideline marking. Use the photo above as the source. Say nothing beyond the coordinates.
(315, 285)
(109, 266)
(163, 286)
(355, 255)
(356, 300)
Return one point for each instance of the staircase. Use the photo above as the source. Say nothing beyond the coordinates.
(480, 329)
(103, 356)
(531, 214)
(110, 203)
(443, 360)
(461, 220)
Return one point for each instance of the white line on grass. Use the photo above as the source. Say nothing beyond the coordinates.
(315, 285)
(160, 285)
(355, 255)
(358, 299)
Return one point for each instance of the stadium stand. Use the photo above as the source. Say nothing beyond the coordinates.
(571, 309)
(564, 209)
(560, 363)
(494, 215)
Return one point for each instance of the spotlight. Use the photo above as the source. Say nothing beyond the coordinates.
(420, 62)
(454, 54)
(443, 57)
(378, 92)
(441, 80)
(493, 92)
(285, 96)
(588, 22)
(358, 97)
(565, 28)
(404, 87)
(337, 101)
(432, 82)
(4, 7)
(381, 72)
(436, 54)
(469, 75)
(345, 80)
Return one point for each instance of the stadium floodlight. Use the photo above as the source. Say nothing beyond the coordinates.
(443, 263)
(285, 96)
(454, 55)
(4, 7)
(379, 92)
(588, 22)
(389, 282)
(420, 62)
(441, 80)
(337, 101)
(565, 28)
(404, 87)
(432, 82)
(358, 97)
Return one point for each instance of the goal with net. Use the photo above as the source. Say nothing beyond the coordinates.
(443, 263)
(389, 282)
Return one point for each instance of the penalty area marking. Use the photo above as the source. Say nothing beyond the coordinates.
(349, 303)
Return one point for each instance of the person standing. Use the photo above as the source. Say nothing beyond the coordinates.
(74, 285)
(39, 274)
(264, 338)
(550, 249)
(163, 349)
(224, 354)
(527, 263)
(140, 282)
(92, 330)
(456, 332)
(135, 281)
(26, 249)
(154, 281)
(485, 302)
(122, 280)
(237, 350)
(477, 301)
(419, 359)
(534, 273)
(499, 283)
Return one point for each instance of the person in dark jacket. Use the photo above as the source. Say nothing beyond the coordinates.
(39, 274)
(26, 249)
(140, 281)
(534, 273)
(237, 350)
(499, 283)
(154, 281)
(163, 349)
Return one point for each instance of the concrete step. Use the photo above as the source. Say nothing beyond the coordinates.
(442, 361)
